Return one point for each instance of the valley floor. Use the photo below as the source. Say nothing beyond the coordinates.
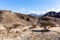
(54, 34)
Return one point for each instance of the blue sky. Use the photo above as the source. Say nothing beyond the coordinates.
(30, 6)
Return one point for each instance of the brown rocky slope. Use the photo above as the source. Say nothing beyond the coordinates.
(17, 26)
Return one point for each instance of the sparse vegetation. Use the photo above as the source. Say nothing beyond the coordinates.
(8, 28)
(47, 25)
(29, 27)
(46, 18)
(16, 25)
(33, 26)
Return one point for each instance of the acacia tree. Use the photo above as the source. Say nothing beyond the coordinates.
(8, 28)
(47, 25)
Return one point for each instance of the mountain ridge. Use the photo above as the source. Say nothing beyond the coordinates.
(17, 26)
(13, 17)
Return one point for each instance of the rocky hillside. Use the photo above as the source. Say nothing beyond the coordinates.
(51, 16)
(17, 26)
(31, 19)
(9, 17)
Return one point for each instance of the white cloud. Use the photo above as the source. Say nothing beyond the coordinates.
(54, 9)
(44, 11)
(34, 12)
(23, 9)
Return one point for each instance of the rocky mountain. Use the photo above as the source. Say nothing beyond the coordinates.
(53, 14)
(8, 17)
(17, 26)
(35, 15)
(28, 18)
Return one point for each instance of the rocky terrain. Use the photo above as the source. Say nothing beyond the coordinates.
(17, 26)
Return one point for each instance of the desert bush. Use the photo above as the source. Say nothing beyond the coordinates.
(8, 28)
(47, 25)
(16, 25)
(46, 18)
(33, 26)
